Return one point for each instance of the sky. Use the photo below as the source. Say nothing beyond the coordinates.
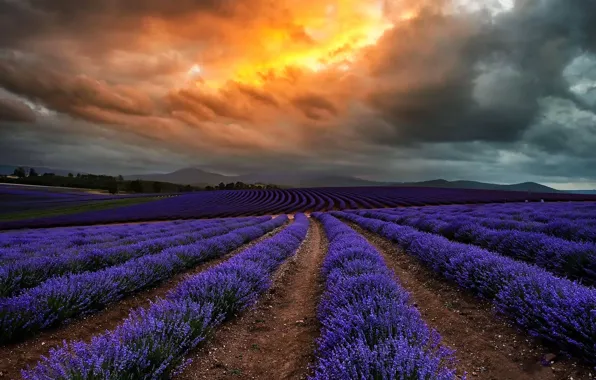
(496, 90)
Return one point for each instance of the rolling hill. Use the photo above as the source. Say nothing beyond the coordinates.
(297, 178)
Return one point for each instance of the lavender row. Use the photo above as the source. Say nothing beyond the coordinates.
(370, 330)
(554, 309)
(579, 212)
(574, 260)
(151, 343)
(28, 273)
(571, 230)
(54, 246)
(568, 229)
(47, 242)
(560, 228)
(30, 241)
(63, 298)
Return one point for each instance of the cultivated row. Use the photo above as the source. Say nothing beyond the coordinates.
(30, 272)
(574, 260)
(369, 328)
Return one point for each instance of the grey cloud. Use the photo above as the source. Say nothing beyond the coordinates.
(315, 106)
(13, 110)
(466, 79)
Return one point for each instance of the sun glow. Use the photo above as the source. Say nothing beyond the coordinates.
(322, 37)
(194, 71)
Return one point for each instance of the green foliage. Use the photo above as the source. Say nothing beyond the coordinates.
(20, 172)
(117, 184)
(157, 187)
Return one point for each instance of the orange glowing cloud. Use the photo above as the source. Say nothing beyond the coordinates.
(314, 36)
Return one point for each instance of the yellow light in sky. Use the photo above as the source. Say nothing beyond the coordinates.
(194, 71)
(334, 34)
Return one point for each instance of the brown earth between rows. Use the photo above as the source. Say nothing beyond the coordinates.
(276, 339)
(486, 346)
(15, 357)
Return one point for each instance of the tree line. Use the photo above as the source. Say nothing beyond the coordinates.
(115, 184)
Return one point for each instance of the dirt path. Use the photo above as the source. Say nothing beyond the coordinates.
(15, 357)
(486, 347)
(276, 339)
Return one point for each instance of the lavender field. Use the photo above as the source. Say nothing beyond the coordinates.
(328, 284)
(220, 204)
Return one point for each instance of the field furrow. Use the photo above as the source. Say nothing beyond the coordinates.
(279, 333)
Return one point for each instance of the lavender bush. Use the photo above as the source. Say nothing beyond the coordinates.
(369, 329)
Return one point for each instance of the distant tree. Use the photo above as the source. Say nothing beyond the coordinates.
(136, 186)
(157, 187)
(221, 186)
(230, 186)
(20, 172)
(209, 188)
(33, 172)
(70, 175)
(48, 175)
(113, 187)
(120, 178)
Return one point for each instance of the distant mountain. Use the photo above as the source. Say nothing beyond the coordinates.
(305, 178)
(290, 178)
(297, 178)
(187, 176)
(525, 186)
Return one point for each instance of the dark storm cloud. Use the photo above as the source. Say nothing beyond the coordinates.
(67, 93)
(462, 78)
(26, 20)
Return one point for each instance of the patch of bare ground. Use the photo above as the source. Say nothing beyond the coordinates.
(15, 357)
(276, 339)
(486, 346)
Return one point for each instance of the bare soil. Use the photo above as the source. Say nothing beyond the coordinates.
(276, 339)
(487, 347)
(15, 357)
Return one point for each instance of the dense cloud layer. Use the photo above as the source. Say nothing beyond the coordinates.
(452, 88)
